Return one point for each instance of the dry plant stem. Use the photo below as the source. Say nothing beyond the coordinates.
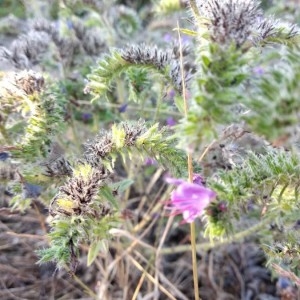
(27, 236)
(157, 258)
(220, 294)
(148, 189)
(133, 238)
(164, 281)
(5, 135)
(135, 294)
(194, 260)
(148, 217)
(210, 274)
(209, 245)
(284, 273)
(41, 218)
(85, 287)
(129, 249)
(8, 148)
(206, 150)
(238, 276)
(150, 278)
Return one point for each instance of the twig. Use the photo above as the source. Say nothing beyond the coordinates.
(293, 277)
(150, 278)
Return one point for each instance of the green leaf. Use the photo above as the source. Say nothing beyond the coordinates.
(206, 60)
(179, 104)
(95, 248)
(118, 136)
(107, 193)
(186, 31)
(123, 185)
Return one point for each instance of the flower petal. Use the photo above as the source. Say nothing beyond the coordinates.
(189, 199)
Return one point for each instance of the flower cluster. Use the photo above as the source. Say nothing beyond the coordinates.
(77, 195)
(240, 21)
(142, 54)
(19, 85)
(106, 142)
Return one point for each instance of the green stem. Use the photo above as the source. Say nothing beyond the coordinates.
(158, 104)
(209, 245)
(190, 171)
(5, 135)
(74, 128)
(194, 260)
(194, 8)
(134, 108)
(120, 91)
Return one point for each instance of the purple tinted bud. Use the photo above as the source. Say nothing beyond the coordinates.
(283, 283)
(149, 161)
(32, 190)
(155, 216)
(123, 108)
(171, 94)
(4, 156)
(167, 37)
(222, 207)
(185, 39)
(198, 179)
(86, 117)
(259, 70)
(297, 225)
(69, 24)
(170, 121)
(56, 25)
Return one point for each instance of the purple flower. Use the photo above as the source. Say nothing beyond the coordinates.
(4, 156)
(150, 161)
(86, 117)
(170, 121)
(283, 282)
(198, 179)
(167, 38)
(171, 94)
(186, 39)
(31, 190)
(258, 70)
(123, 108)
(189, 199)
(69, 24)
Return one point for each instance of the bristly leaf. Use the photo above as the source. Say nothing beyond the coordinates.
(46, 121)
(140, 57)
(145, 142)
(165, 7)
(271, 179)
(94, 249)
(106, 192)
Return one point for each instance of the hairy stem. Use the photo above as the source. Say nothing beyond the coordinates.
(190, 172)
(206, 246)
